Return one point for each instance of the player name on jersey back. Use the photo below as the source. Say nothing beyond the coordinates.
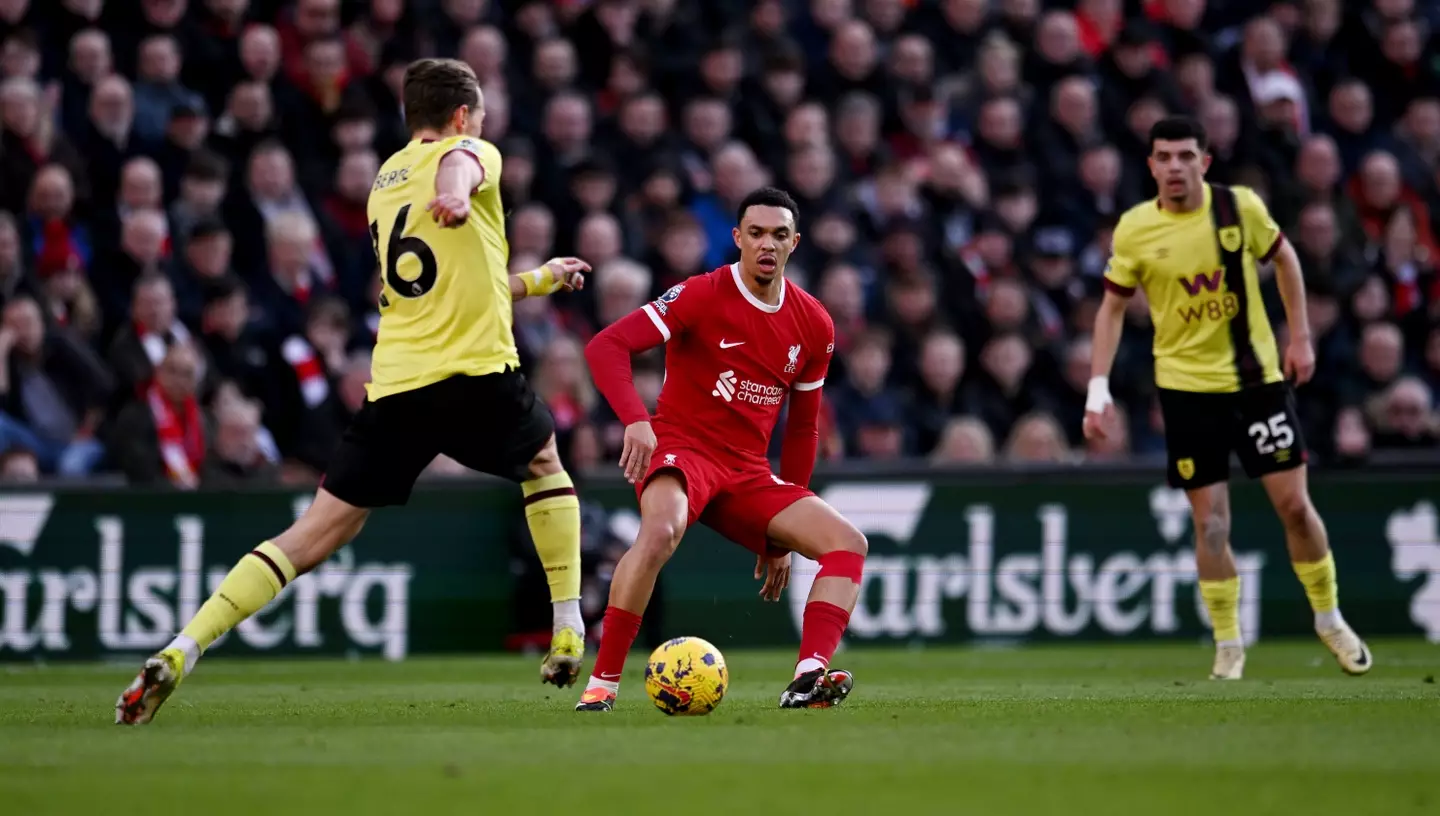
(731, 358)
(445, 299)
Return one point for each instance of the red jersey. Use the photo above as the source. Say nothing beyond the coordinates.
(731, 359)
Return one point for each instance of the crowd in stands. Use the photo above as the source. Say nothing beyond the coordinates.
(188, 280)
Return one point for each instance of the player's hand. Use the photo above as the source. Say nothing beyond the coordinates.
(1099, 409)
(449, 210)
(561, 275)
(1099, 425)
(1299, 361)
(774, 566)
(639, 447)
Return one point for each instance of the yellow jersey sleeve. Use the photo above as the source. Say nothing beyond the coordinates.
(487, 154)
(1262, 234)
(1122, 274)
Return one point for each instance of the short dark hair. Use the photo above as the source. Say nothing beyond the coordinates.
(768, 197)
(1178, 128)
(330, 311)
(208, 228)
(435, 89)
(207, 165)
(223, 288)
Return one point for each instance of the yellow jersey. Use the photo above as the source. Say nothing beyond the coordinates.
(1211, 331)
(445, 303)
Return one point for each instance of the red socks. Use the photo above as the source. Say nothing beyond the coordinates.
(819, 638)
(619, 633)
(825, 622)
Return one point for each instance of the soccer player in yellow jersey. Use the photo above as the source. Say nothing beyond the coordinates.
(1196, 251)
(445, 380)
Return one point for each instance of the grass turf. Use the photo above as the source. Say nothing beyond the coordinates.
(1074, 730)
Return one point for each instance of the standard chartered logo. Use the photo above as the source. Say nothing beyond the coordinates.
(991, 587)
(725, 386)
(731, 388)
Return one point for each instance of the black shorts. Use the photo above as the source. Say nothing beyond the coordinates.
(494, 424)
(1259, 424)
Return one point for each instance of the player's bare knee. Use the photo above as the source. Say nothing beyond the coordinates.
(1294, 510)
(1212, 531)
(547, 461)
(657, 541)
(835, 539)
(852, 540)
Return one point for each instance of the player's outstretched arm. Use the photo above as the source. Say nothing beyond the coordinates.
(555, 275)
(608, 354)
(1290, 279)
(1109, 323)
(456, 178)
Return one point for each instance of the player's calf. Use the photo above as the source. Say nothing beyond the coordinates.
(815, 530)
(326, 526)
(1314, 565)
(663, 515)
(552, 511)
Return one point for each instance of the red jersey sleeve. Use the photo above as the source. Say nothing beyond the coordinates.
(802, 429)
(677, 309)
(812, 376)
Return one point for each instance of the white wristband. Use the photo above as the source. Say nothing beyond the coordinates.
(1099, 395)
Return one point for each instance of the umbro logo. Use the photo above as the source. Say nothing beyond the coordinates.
(725, 386)
(1162, 253)
(725, 345)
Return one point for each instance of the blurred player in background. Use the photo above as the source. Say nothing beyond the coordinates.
(1196, 250)
(738, 341)
(445, 380)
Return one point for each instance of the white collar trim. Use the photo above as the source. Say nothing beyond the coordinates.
(750, 296)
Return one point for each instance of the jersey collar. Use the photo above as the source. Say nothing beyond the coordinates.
(1201, 210)
(754, 301)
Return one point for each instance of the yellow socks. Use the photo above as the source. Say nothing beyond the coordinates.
(553, 512)
(1318, 578)
(251, 584)
(1222, 599)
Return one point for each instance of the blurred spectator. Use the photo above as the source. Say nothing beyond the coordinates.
(237, 458)
(283, 295)
(238, 352)
(161, 435)
(1404, 416)
(562, 382)
(153, 329)
(19, 466)
(306, 414)
(1004, 390)
(29, 140)
(53, 391)
(621, 287)
(1352, 437)
(942, 365)
(108, 139)
(964, 441)
(1037, 439)
(15, 279)
(867, 409)
(158, 91)
(960, 166)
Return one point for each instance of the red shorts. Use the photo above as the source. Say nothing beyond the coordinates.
(737, 502)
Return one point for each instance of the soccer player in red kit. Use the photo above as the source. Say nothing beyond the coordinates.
(738, 340)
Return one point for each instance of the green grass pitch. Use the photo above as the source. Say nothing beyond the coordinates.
(1073, 730)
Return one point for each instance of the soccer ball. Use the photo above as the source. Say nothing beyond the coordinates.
(686, 676)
